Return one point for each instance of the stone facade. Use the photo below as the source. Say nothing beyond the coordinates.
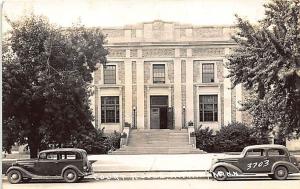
(182, 49)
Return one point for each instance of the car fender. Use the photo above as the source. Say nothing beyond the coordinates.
(80, 173)
(23, 171)
(291, 168)
(231, 168)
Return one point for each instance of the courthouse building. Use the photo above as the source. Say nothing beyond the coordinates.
(162, 75)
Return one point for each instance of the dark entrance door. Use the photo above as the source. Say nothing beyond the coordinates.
(158, 112)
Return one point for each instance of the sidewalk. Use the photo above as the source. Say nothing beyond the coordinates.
(152, 163)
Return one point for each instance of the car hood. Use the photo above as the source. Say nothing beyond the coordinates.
(26, 161)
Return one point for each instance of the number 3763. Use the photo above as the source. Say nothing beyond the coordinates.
(253, 165)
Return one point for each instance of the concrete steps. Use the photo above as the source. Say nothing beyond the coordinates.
(158, 141)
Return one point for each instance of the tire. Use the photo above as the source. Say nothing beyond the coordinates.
(26, 180)
(220, 174)
(70, 175)
(14, 176)
(281, 173)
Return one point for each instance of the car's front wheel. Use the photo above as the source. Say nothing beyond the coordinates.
(70, 175)
(14, 176)
(281, 173)
(220, 173)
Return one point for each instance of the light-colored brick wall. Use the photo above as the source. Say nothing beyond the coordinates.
(170, 66)
(220, 71)
(96, 107)
(147, 69)
(145, 108)
(233, 105)
(121, 72)
(97, 75)
(222, 103)
(196, 69)
(183, 71)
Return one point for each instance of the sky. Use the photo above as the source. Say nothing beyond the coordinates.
(110, 13)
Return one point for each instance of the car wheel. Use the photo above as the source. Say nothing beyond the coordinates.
(220, 173)
(70, 175)
(281, 173)
(14, 176)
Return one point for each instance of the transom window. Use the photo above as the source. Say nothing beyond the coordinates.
(158, 73)
(110, 109)
(208, 107)
(109, 74)
(208, 73)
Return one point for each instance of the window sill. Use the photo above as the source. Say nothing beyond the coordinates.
(207, 84)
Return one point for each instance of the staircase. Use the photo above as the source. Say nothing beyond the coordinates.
(158, 141)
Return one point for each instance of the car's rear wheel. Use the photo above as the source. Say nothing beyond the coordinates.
(220, 173)
(70, 175)
(14, 176)
(281, 173)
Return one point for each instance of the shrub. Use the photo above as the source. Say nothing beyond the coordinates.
(95, 142)
(230, 138)
(234, 137)
(205, 140)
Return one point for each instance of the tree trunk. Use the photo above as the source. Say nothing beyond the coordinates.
(33, 143)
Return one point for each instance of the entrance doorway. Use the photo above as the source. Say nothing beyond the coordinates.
(158, 112)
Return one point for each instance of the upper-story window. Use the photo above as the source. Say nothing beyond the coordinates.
(208, 73)
(159, 73)
(109, 73)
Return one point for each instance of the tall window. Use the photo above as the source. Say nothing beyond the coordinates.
(158, 73)
(110, 109)
(208, 73)
(208, 107)
(109, 74)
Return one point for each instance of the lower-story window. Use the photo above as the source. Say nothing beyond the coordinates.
(208, 105)
(110, 109)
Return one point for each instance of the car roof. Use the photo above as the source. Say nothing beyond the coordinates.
(64, 150)
(266, 146)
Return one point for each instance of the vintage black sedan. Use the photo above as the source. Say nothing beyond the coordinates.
(70, 164)
(274, 160)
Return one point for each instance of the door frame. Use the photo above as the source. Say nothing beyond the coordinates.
(150, 107)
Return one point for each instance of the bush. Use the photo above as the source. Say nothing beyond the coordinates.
(234, 137)
(230, 138)
(96, 143)
(205, 140)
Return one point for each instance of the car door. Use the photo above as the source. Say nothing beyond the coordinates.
(46, 165)
(255, 161)
(275, 155)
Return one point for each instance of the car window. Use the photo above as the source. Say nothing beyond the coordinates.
(70, 155)
(256, 153)
(42, 156)
(52, 156)
(276, 152)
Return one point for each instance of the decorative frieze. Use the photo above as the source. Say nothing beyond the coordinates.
(151, 53)
(208, 52)
(183, 53)
(117, 53)
(133, 53)
(114, 32)
(207, 32)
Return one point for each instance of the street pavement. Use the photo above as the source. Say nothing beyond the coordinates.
(242, 183)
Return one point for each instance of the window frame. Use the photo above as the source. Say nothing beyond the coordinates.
(154, 81)
(108, 80)
(215, 108)
(208, 72)
(104, 109)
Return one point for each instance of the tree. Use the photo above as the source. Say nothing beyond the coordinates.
(266, 62)
(46, 76)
